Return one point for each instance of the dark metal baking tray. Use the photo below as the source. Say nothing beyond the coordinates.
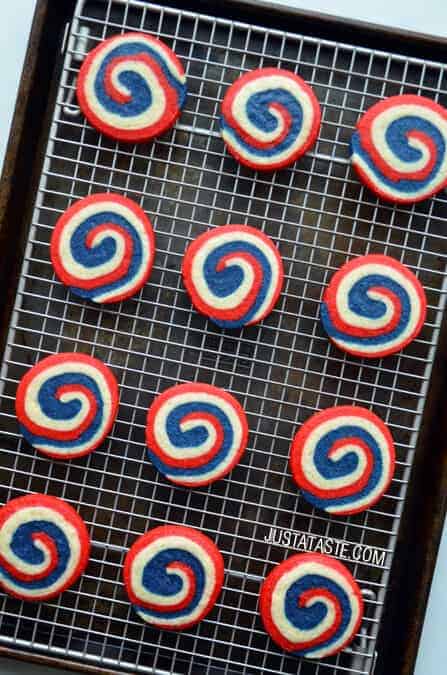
(282, 370)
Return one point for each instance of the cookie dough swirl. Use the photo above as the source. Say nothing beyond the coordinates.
(270, 118)
(343, 459)
(44, 547)
(400, 148)
(132, 87)
(103, 248)
(66, 405)
(374, 306)
(196, 433)
(173, 576)
(234, 275)
(311, 605)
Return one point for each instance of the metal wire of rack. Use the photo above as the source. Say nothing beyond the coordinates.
(281, 371)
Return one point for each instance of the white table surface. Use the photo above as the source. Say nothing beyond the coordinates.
(427, 17)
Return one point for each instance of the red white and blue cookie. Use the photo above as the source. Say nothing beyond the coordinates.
(343, 459)
(270, 118)
(131, 87)
(173, 576)
(195, 433)
(66, 405)
(44, 547)
(374, 306)
(400, 148)
(311, 605)
(233, 274)
(103, 248)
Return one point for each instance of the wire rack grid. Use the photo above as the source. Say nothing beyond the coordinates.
(281, 371)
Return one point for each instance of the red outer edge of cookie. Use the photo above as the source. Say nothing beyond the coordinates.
(64, 276)
(71, 515)
(314, 421)
(197, 243)
(377, 258)
(56, 359)
(253, 75)
(365, 121)
(265, 597)
(129, 136)
(190, 533)
(202, 388)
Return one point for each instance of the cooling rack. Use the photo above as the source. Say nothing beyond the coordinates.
(281, 371)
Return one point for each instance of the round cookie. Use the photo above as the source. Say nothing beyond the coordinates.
(173, 575)
(311, 605)
(234, 275)
(44, 547)
(400, 148)
(103, 248)
(131, 87)
(66, 405)
(270, 118)
(343, 459)
(374, 306)
(195, 433)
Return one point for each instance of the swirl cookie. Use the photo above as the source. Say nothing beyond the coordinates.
(131, 87)
(374, 306)
(233, 274)
(195, 433)
(173, 576)
(44, 547)
(311, 605)
(66, 405)
(343, 459)
(103, 248)
(399, 149)
(270, 118)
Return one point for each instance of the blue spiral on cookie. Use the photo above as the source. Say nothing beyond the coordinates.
(66, 404)
(173, 575)
(44, 547)
(400, 148)
(270, 117)
(311, 605)
(233, 274)
(102, 248)
(195, 433)
(132, 87)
